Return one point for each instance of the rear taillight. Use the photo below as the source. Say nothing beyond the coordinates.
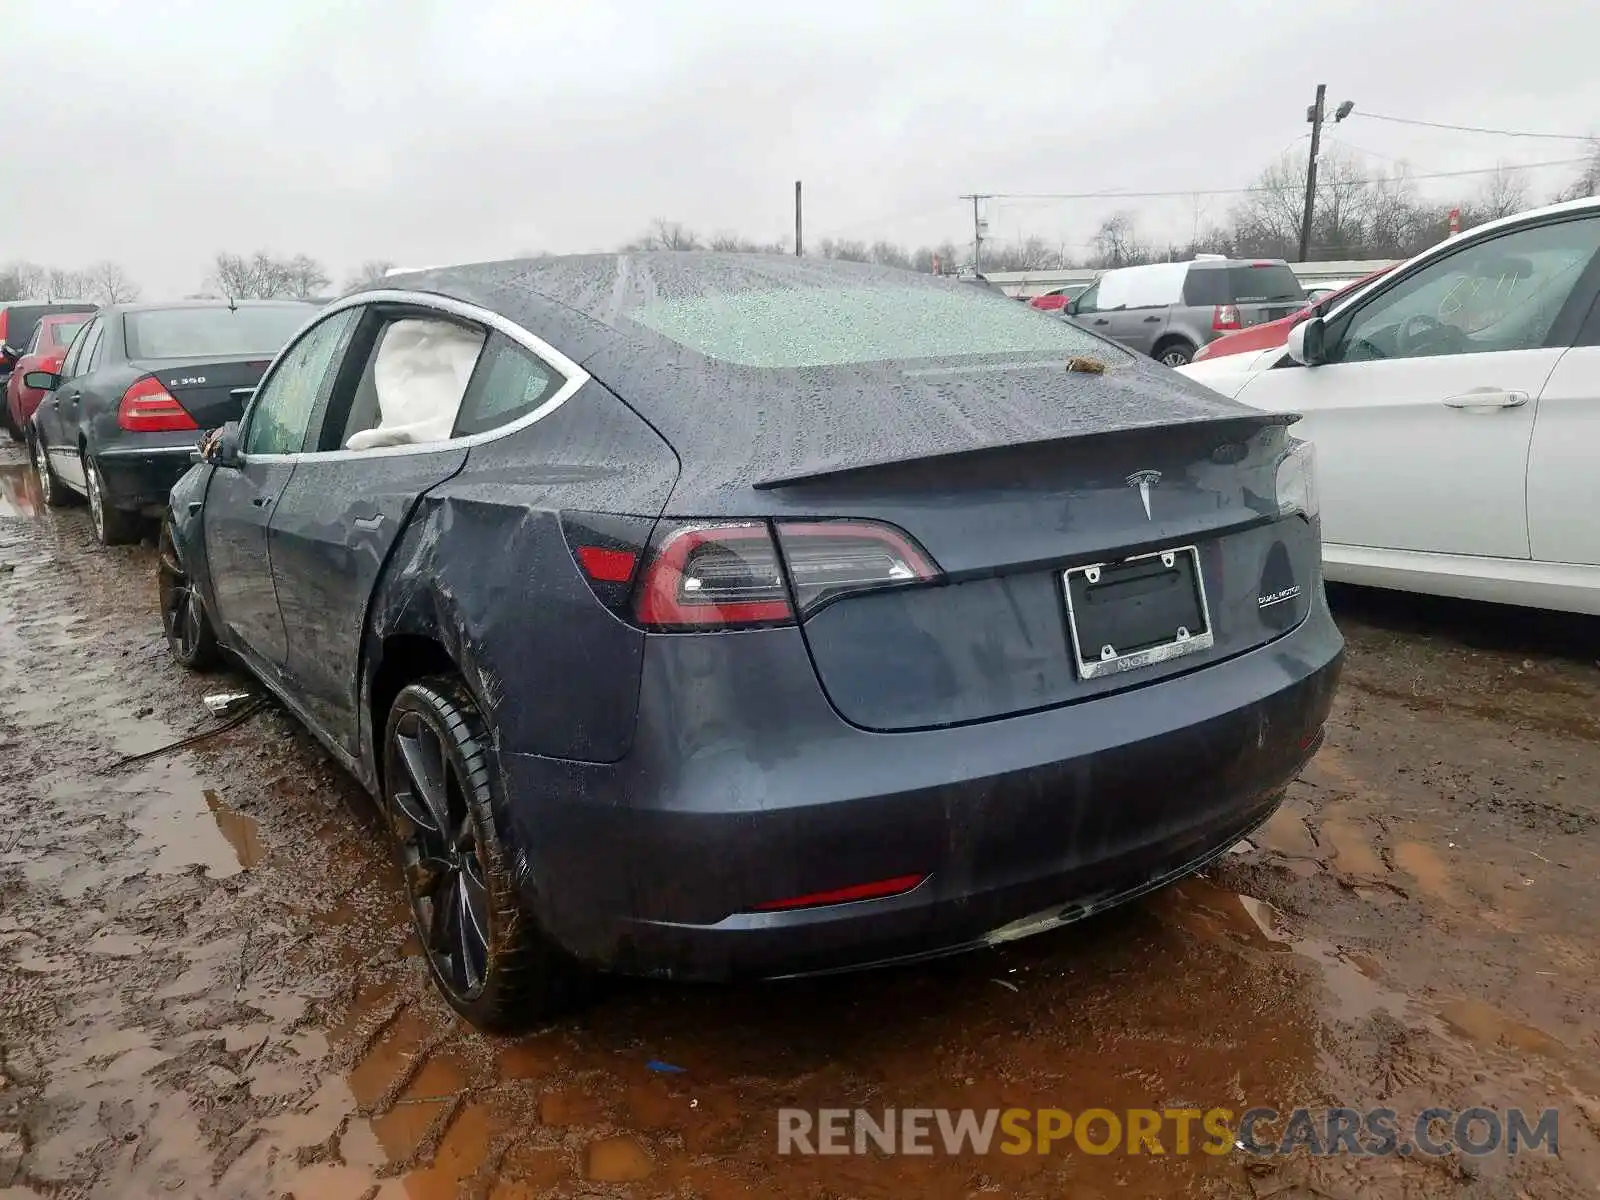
(828, 559)
(147, 407)
(730, 574)
(1225, 317)
(714, 576)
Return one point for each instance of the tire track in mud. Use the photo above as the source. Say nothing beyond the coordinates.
(208, 984)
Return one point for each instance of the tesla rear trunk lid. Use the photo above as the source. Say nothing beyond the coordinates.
(213, 391)
(1009, 476)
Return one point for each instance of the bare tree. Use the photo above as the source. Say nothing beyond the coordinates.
(1587, 182)
(13, 283)
(109, 283)
(304, 277)
(263, 276)
(371, 272)
(1030, 254)
(63, 284)
(1117, 243)
(1500, 195)
(844, 251)
(887, 254)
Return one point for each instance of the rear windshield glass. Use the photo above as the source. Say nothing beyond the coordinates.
(61, 333)
(1241, 285)
(792, 328)
(1253, 284)
(201, 332)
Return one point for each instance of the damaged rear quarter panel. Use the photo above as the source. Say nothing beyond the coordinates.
(484, 570)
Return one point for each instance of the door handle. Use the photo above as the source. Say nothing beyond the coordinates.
(1485, 398)
(1151, 320)
(370, 524)
(261, 501)
(1101, 321)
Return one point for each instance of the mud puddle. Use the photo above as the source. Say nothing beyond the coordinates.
(19, 491)
(209, 985)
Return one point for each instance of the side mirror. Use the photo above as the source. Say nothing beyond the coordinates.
(220, 447)
(42, 381)
(1304, 344)
(1072, 307)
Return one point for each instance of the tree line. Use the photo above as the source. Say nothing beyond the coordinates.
(1362, 211)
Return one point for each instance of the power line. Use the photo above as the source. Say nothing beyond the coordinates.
(1522, 133)
(1559, 162)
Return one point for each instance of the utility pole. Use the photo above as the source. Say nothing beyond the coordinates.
(977, 232)
(798, 248)
(1315, 115)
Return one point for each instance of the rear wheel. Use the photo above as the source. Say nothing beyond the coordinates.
(487, 954)
(1174, 354)
(190, 637)
(112, 525)
(52, 491)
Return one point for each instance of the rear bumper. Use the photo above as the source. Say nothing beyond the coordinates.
(745, 787)
(138, 477)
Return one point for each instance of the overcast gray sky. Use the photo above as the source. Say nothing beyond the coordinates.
(158, 132)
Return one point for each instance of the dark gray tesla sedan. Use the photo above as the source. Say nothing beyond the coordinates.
(123, 414)
(703, 616)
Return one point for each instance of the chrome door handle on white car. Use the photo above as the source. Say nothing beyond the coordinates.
(1481, 398)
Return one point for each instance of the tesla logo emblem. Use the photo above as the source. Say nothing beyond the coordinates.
(1142, 480)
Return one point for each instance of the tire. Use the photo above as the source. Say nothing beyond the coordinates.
(54, 493)
(191, 640)
(1174, 354)
(440, 796)
(112, 526)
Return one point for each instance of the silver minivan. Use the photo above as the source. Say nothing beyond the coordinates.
(1170, 310)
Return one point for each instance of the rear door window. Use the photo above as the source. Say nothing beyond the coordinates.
(78, 361)
(1207, 286)
(509, 384)
(412, 386)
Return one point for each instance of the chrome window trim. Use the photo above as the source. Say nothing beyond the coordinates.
(574, 375)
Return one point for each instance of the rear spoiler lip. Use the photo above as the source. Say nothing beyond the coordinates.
(844, 470)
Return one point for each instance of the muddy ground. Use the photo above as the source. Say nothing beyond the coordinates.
(208, 985)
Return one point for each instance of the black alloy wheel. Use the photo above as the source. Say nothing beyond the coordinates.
(487, 955)
(190, 638)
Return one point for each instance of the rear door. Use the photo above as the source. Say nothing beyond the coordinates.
(239, 500)
(344, 509)
(1563, 487)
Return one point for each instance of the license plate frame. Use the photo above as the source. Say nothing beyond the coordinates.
(1106, 659)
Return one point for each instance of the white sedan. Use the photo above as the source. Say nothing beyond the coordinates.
(1455, 406)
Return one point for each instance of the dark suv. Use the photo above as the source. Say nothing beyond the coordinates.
(1170, 310)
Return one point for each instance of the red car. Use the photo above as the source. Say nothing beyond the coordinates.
(1275, 333)
(1056, 299)
(45, 351)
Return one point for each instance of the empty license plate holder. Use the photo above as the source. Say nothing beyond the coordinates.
(1137, 612)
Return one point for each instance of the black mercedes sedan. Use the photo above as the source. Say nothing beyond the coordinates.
(702, 616)
(137, 386)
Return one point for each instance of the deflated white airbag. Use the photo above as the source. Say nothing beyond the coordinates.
(420, 375)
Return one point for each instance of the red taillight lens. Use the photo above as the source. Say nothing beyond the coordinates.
(147, 407)
(898, 886)
(1225, 316)
(729, 575)
(714, 576)
(607, 566)
(828, 559)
